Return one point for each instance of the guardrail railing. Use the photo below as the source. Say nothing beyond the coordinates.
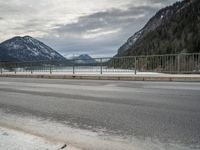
(172, 63)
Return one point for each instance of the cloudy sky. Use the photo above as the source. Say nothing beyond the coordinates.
(95, 27)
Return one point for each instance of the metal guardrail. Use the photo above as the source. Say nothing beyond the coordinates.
(172, 63)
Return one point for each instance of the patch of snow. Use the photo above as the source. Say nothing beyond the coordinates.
(53, 54)
(14, 140)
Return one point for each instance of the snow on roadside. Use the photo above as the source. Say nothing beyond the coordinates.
(15, 140)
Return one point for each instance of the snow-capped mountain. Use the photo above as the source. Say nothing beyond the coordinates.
(167, 31)
(82, 59)
(27, 49)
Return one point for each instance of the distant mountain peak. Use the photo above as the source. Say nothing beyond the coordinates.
(27, 36)
(27, 48)
(82, 59)
(86, 56)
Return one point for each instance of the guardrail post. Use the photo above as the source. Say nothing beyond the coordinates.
(73, 66)
(50, 67)
(31, 69)
(16, 69)
(135, 65)
(178, 67)
(1, 69)
(101, 65)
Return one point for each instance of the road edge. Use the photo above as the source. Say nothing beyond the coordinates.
(167, 78)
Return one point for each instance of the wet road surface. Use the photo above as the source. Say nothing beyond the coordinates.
(168, 111)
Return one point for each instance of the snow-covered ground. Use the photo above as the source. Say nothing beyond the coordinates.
(11, 139)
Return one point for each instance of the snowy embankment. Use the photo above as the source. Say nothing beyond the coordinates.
(11, 139)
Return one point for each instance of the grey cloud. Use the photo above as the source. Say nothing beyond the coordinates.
(128, 21)
(11, 9)
(33, 24)
(164, 2)
(107, 20)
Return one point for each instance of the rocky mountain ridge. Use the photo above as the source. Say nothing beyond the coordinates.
(173, 29)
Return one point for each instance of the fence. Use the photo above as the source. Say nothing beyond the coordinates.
(176, 63)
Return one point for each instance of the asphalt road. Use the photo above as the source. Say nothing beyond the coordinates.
(167, 111)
